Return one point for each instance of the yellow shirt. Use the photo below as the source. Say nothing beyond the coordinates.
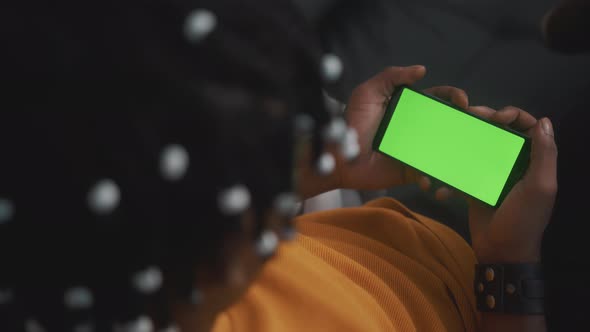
(375, 268)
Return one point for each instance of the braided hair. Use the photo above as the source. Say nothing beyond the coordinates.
(133, 136)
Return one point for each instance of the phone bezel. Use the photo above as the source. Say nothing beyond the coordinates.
(518, 170)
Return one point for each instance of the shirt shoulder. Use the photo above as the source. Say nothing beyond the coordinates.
(379, 267)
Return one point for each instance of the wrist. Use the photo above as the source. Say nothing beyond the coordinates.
(508, 256)
(509, 259)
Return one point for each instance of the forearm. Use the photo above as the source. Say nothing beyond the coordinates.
(495, 322)
(313, 185)
(309, 181)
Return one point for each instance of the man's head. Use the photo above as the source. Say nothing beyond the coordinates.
(566, 27)
(145, 145)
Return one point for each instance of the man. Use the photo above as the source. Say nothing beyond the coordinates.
(152, 190)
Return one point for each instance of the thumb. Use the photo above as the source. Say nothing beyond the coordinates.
(383, 84)
(541, 176)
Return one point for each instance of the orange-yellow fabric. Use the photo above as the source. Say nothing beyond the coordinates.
(375, 268)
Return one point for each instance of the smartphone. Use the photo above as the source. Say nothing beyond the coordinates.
(453, 146)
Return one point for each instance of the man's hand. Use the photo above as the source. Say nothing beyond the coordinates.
(365, 109)
(364, 112)
(514, 231)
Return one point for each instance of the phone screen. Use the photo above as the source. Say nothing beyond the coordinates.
(450, 145)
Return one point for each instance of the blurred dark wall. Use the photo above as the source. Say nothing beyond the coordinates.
(492, 49)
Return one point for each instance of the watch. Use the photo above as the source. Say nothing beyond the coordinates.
(510, 288)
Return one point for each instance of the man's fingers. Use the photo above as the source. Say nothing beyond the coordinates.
(383, 84)
(424, 183)
(541, 176)
(412, 176)
(511, 116)
(443, 193)
(451, 94)
(514, 117)
(482, 111)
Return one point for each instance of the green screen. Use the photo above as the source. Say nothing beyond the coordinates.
(456, 148)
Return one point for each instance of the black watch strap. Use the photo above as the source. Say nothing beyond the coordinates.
(510, 288)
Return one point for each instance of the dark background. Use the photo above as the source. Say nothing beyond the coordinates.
(491, 48)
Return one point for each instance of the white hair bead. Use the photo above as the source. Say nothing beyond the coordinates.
(336, 130)
(174, 162)
(234, 200)
(6, 210)
(287, 204)
(351, 148)
(326, 164)
(351, 151)
(32, 325)
(267, 243)
(199, 24)
(142, 324)
(333, 106)
(78, 298)
(352, 135)
(85, 327)
(304, 123)
(149, 280)
(104, 197)
(331, 68)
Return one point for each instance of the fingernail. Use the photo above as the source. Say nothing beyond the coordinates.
(547, 127)
(483, 109)
(443, 194)
(424, 183)
(417, 67)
